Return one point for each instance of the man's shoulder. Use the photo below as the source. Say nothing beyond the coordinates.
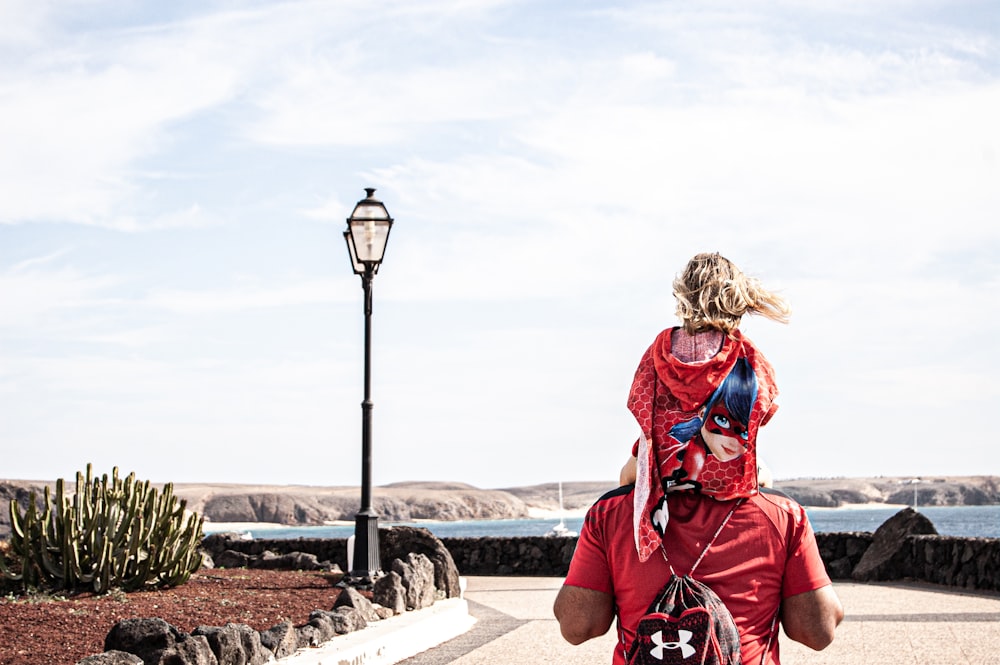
(617, 493)
(776, 499)
(780, 508)
(614, 500)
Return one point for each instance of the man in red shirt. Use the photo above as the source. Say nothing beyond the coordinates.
(700, 394)
(764, 565)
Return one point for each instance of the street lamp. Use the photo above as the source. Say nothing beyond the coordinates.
(366, 236)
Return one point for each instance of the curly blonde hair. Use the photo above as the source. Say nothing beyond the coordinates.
(713, 294)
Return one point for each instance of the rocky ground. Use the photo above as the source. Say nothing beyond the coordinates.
(46, 630)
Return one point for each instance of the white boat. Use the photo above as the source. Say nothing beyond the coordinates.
(561, 530)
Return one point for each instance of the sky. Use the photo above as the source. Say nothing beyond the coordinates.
(176, 298)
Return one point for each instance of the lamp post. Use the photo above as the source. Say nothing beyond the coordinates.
(366, 236)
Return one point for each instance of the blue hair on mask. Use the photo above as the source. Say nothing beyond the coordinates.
(738, 393)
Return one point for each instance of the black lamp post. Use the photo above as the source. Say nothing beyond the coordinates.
(366, 235)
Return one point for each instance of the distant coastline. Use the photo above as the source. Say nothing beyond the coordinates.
(259, 506)
(894, 491)
(861, 506)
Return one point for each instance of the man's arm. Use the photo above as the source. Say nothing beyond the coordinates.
(811, 617)
(583, 613)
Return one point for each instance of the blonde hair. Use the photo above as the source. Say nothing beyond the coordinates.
(713, 294)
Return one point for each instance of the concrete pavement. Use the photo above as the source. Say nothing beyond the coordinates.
(886, 624)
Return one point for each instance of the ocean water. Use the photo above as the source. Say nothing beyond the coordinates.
(965, 521)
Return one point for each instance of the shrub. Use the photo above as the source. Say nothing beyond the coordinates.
(109, 534)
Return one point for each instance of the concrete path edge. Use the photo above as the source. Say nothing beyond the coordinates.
(391, 640)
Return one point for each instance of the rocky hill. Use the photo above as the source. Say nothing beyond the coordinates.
(928, 491)
(304, 505)
(811, 492)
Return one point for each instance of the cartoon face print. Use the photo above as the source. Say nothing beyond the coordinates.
(724, 435)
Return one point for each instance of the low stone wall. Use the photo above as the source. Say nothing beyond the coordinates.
(532, 556)
(841, 552)
(333, 550)
(473, 556)
(968, 563)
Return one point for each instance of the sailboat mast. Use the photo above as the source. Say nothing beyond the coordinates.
(560, 504)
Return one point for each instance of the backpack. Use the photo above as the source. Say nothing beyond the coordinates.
(688, 624)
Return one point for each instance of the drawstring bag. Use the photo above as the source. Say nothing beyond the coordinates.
(688, 624)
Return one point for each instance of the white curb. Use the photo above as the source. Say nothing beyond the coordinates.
(391, 640)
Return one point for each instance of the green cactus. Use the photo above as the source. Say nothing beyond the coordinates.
(110, 533)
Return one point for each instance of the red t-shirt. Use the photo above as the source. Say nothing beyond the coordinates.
(765, 553)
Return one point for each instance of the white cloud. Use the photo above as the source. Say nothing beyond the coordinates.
(74, 118)
(331, 209)
(250, 297)
(23, 23)
(29, 296)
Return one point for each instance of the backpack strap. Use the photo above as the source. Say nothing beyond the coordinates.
(710, 542)
(774, 620)
(770, 637)
(716, 535)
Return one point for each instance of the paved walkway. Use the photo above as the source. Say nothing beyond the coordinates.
(886, 624)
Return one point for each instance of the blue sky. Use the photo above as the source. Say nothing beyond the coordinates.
(176, 297)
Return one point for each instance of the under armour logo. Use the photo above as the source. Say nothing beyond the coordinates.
(683, 638)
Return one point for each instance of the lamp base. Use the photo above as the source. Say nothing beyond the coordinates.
(365, 566)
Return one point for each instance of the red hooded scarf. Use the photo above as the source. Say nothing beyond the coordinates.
(699, 425)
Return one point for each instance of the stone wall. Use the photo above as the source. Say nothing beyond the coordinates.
(333, 550)
(841, 552)
(472, 556)
(968, 563)
(538, 556)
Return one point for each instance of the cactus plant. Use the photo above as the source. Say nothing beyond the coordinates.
(109, 533)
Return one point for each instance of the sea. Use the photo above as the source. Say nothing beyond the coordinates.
(964, 521)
